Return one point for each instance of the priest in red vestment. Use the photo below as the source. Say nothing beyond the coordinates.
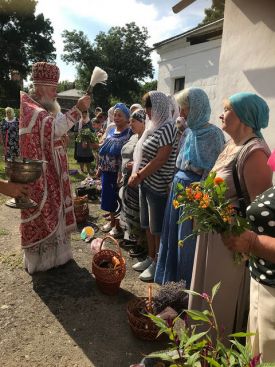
(45, 230)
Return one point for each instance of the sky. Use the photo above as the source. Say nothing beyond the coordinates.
(94, 16)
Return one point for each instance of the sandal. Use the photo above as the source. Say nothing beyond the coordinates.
(127, 243)
(137, 251)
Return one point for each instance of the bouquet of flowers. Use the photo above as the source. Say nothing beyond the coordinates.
(86, 135)
(205, 202)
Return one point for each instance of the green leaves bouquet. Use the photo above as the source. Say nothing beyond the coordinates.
(86, 135)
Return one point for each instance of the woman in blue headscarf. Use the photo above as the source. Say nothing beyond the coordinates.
(110, 164)
(245, 114)
(197, 156)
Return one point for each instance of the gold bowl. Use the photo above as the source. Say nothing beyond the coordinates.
(24, 171)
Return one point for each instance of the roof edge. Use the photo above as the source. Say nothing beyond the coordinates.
(186, 33)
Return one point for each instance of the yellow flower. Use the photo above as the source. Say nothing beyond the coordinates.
(180, 243)
(189, 193)
(179, 197)
(205, 201)
(176, 204)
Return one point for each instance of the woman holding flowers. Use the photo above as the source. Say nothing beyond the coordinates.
(259, 244)
(85, 137)
(197, 156)
(244, 116)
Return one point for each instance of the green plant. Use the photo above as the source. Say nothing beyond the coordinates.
(86, 135)
(189, 348)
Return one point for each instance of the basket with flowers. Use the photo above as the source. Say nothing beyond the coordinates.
(205, 202)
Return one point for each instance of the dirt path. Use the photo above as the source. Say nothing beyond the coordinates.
(60, 318)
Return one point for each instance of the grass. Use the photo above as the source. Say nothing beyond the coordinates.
(4, 232)
(2, 163)
(12, 260)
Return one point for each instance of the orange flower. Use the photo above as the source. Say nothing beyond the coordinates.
(176, 204)
(218, 180)
(197, 195)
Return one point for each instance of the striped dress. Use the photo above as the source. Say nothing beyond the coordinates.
(165, 135)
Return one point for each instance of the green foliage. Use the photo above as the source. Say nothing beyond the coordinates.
(216, 12)
(86, 135)
(122, 52)
(189, 348)
(65, 85)
(24, 39)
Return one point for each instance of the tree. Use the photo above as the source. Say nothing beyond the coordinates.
(148, 86)
(216, 12)
(65, 85)
(122, 52)
(24, 39)
(144, 88)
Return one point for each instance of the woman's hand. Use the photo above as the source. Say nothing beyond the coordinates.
(98, 173)
(134, 180)
(129, 166)
(94, 146)
(240, 243)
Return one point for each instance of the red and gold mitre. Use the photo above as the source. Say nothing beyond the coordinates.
(45, 73)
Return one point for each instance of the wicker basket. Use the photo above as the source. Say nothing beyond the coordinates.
(108, 279)
(81, 209)
(142, 326)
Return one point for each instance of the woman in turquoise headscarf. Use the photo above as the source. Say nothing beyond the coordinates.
(197, 156)
(245, 114)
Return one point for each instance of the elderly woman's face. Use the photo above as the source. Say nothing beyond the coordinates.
(9, 114)
(136, 126)
(120, 119)
(184, 112)
(230, 121)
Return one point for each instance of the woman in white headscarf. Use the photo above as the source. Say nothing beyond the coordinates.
(154, 157)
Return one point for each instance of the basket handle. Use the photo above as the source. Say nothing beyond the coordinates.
(115, 242)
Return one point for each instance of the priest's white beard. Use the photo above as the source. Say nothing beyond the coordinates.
(51, 106)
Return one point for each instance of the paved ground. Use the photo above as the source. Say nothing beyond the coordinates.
(60, 318)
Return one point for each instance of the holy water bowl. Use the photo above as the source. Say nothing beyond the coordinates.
(24, 171)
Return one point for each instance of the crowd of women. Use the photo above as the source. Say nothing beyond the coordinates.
(146, 152)
(143, 153)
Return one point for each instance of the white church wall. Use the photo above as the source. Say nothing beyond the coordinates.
(247, 61)
(199, 64)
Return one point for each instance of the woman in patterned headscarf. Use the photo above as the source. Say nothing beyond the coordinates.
(153, 170)
(129, 216)
(196, 158)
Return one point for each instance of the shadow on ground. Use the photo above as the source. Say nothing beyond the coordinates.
(97, 323)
